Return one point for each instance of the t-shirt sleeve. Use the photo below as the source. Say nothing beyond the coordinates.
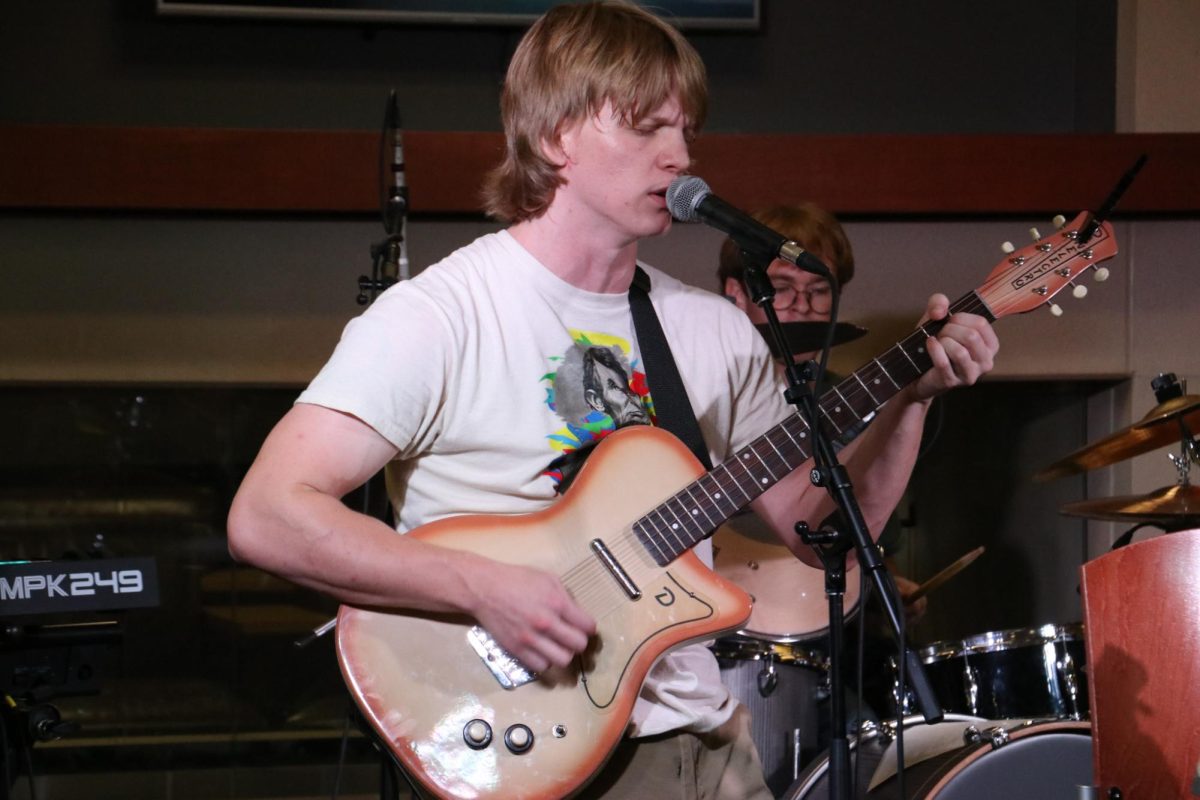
(390, 369)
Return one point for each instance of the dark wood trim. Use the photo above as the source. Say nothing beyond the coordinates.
(235, 170)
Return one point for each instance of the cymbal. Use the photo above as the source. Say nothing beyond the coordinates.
(805, 337)
(1157, 429)
(1169, 506)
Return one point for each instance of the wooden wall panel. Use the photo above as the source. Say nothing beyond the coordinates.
(113, 168)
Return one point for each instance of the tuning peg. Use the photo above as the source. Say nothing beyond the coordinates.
(1056, 309)
(1080, 291)
(1059, 220)
(1035, 234)
(1007, 247)
(1100, 274)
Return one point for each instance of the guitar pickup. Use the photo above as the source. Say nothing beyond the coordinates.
(508, 671)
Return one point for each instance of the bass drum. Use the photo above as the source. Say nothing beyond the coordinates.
(1002, 760)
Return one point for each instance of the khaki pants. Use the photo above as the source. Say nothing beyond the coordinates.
(719, 765)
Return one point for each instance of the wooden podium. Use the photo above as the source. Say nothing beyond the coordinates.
(1142, 611)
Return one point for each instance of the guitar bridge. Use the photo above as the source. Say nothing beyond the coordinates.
(506, 669)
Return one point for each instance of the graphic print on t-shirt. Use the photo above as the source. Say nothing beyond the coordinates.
(595, 389)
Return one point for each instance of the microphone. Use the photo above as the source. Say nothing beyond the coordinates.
(690, 200)
(395, 199)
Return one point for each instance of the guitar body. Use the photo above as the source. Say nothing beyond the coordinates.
(419, 681)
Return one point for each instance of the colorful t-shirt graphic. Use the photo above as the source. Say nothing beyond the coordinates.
(595, 388)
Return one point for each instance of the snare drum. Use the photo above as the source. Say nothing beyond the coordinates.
(993, 761)
(780, 685)
(1022, 673)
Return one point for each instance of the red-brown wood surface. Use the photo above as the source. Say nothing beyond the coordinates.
(1142, 611)
(212, 169)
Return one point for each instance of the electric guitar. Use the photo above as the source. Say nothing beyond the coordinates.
(467, 720)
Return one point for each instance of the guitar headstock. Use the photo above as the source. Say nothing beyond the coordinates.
(1029, 277)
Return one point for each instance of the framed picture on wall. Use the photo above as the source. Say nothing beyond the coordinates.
(685, 13)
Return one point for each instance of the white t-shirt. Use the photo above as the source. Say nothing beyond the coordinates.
(477, 370)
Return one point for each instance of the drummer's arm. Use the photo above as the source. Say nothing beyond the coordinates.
(880, 461)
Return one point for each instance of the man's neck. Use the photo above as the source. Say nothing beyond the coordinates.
(586, 261)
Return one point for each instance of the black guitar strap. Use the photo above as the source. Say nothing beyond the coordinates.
(671, 404)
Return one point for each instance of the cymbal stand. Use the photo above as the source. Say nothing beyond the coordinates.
(838, 534)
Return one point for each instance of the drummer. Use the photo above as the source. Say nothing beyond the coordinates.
(803, 297)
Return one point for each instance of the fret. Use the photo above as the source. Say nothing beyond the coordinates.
(651, 541)
(680, 539)
(725, 468)
(697, 507)
(866, 389)
(672, 528)
(718, 495)
(886, 374)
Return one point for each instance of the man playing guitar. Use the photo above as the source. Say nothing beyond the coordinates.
(467, 381)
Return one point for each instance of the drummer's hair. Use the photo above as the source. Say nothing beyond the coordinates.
(807, 224)
(573, 61)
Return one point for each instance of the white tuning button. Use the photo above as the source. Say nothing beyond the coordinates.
(1035, 234)
(1101, 274)
(1059, 220)
(1079, 291)
(1056, 309)
(1007, 247)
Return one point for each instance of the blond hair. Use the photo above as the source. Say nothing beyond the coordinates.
(574, 60)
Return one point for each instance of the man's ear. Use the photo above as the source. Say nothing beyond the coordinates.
(558, 147)
(737, 293)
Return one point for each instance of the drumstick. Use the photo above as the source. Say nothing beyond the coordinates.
(946, 574)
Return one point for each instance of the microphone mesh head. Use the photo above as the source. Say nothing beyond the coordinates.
(684, 194)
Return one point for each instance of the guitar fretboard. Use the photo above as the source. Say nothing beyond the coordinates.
(696, 511)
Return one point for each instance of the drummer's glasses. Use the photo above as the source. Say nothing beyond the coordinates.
(818, 296)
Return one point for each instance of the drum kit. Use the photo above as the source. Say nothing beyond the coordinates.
(1016, 701)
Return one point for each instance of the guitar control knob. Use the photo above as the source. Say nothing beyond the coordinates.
(518, 739)
(477, 734)
(1007, 247)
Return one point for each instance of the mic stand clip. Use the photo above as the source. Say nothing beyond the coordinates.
(385, 269)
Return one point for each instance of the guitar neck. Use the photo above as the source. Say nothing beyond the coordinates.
(695, 512)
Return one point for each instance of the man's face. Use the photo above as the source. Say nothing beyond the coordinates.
(799, 296)
(617, 174)
(612, 395)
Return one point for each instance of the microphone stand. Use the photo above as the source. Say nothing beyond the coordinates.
(833, 543)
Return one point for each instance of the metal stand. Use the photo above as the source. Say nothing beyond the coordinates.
(833, 543)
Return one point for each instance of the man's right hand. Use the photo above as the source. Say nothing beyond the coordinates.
(531, 615)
